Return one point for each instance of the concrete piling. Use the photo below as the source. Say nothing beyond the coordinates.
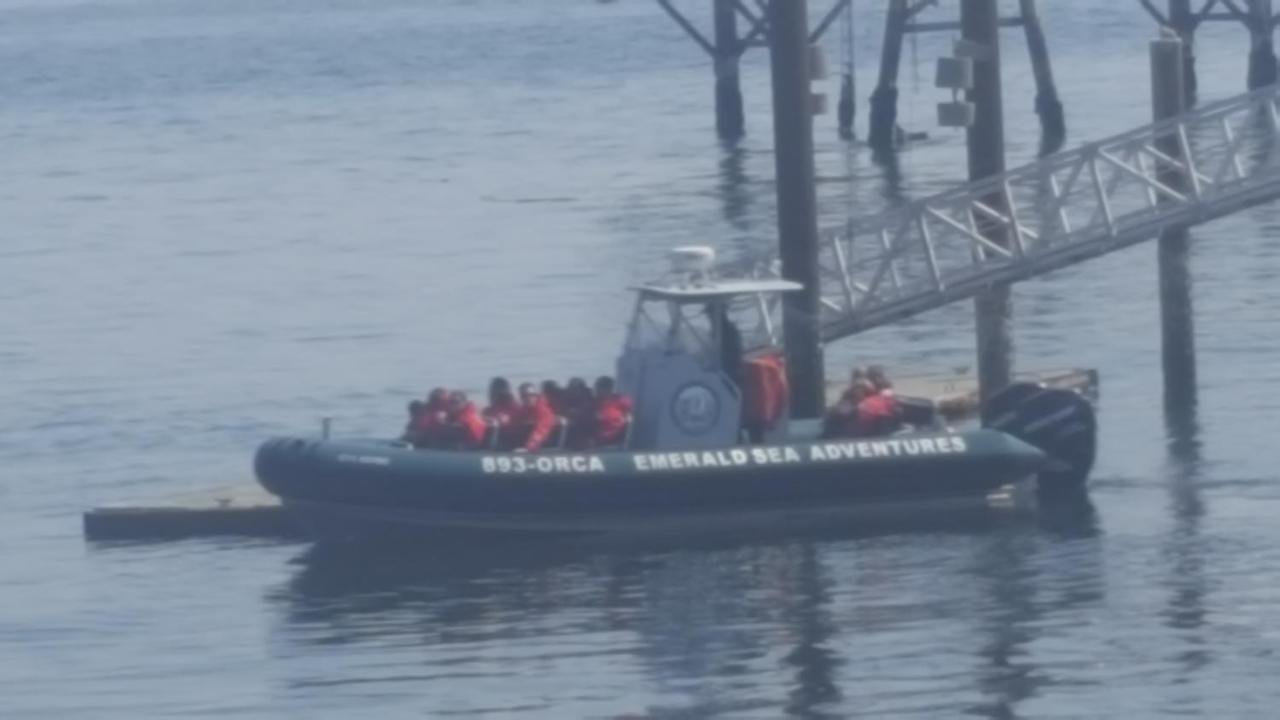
(1168, 99)
(797, 203)
(980, 25)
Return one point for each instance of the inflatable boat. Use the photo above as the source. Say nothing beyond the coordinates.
(686, 461)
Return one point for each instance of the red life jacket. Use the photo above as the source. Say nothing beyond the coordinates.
(540, 421)
(877, 415)
(611, 417)
(473, 427)
(765, 392)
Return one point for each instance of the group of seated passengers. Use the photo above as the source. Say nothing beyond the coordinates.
(868, 408)
(587, 418)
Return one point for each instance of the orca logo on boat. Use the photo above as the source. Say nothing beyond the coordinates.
(695, 409)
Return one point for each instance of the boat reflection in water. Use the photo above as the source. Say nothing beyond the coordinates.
(807, 622)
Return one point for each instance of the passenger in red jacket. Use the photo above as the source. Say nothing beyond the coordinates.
(877, 415)
(435, 416)
(535, 420)
(883, 408)
(430, 420)
(612, 414)
(868, 408)
(842, 420)
(879, 380)
(465, 421)
(502, 407)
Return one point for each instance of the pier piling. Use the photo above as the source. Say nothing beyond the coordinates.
(797, 203)
(1053, 125)
(980, 25)
(1168, 98)
(729, 117)
(884, 99)
(1262, 53)
(726, 47)
(1258, 18)
(902, 19)
(847, 108)
(1184, 22)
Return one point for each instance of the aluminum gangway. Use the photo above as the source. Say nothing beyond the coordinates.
(1062, 210)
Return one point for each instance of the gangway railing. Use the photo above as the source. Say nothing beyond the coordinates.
(1059, 211)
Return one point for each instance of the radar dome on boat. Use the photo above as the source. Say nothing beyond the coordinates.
(692, 259)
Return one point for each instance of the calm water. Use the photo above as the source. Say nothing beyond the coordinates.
(223, 220)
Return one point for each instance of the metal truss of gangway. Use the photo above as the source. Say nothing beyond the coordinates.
(1065, 209)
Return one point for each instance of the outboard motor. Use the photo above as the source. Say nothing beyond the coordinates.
(1060, 422)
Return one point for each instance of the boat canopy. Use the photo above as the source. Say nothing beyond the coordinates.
(723, 289)
(686, 317)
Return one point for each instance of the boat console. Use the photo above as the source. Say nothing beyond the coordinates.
(682, 359)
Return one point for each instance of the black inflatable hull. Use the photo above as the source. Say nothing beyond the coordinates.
(355, 487)
(466, 532)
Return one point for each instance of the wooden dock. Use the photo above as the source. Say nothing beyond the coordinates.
(246, 510)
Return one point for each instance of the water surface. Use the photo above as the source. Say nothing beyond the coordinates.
(223, 220)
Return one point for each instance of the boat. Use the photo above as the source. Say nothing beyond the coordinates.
(686, 463)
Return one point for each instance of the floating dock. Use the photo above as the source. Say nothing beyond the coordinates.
(956, 394)
(246, 510)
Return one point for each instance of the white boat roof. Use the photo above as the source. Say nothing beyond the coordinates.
(717, 289)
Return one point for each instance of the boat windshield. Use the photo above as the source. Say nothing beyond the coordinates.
(689, 326)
